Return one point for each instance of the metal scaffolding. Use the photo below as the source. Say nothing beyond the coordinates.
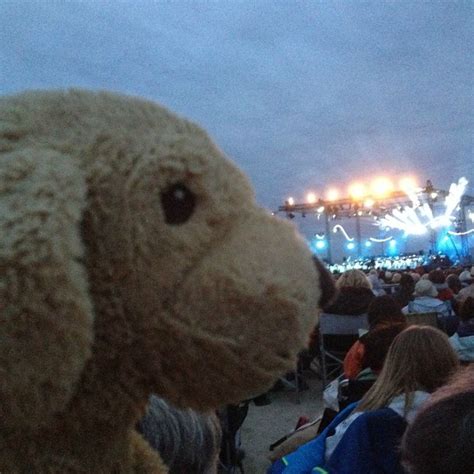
(350, 208)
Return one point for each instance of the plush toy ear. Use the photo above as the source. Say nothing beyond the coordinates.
(46, 324)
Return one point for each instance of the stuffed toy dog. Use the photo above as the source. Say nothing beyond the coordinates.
(133, 260)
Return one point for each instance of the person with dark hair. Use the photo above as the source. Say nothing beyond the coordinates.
(463, 339)
(439, 281)
(404, 292)
(376, 345)
(383, 311)
(454, 283)
(441, 438)
(186, 440)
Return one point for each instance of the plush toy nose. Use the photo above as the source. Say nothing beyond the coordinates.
(241, 315)
(262, 262)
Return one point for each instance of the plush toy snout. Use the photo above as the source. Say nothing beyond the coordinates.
(241, 314)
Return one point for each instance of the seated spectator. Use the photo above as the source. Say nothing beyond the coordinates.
(463, 339)
(441, 438)
(383, 311)
(376, 283)
(388, 277)
(466, 278)
(404, 293)
(469, 289)
(355, 294)
(396, 278)
(377, 344)
(439, 281)
(454, 283)
(364, 438)
(416, 276)
(186, 440)
(353, 299)
(426, 301)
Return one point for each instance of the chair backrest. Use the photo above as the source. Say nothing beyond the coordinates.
(390, 288)
(423, 319)
(342, 324)
(337, 333)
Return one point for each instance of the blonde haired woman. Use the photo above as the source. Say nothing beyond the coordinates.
(364, 438)
(354, 295)
(354, 278)
(353, 299)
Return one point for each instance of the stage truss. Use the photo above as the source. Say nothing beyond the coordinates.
(419, 211)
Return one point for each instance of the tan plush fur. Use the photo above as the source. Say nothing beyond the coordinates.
(102, 301)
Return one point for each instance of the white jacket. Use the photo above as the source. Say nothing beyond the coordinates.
(428, 304)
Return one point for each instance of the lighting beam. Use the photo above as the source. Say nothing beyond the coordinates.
(339, 227)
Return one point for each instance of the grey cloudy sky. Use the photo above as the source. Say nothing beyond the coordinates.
(301, 94)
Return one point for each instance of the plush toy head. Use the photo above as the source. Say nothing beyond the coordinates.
(148, 262)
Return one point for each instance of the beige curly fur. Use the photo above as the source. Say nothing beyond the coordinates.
(102, 301)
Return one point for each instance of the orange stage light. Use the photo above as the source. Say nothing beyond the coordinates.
(332, 195)
(357, 191)
(381, 187)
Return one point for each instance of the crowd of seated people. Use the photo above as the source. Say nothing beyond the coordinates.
(417, 291)
(452, 285)
(364, 437)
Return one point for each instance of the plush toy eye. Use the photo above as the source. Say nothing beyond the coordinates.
(178, 203)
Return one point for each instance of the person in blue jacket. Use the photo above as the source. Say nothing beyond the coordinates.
(364, 437)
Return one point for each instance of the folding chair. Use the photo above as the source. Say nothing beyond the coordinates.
(390, 288)
(297, 381)
(337, 333)
(231, 454)
(423, 319)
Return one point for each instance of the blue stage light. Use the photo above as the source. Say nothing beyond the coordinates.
(350, 246)
(320, 244)
(393, 243)
(368, 243)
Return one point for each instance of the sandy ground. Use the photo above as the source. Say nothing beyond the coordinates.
(266, 424)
